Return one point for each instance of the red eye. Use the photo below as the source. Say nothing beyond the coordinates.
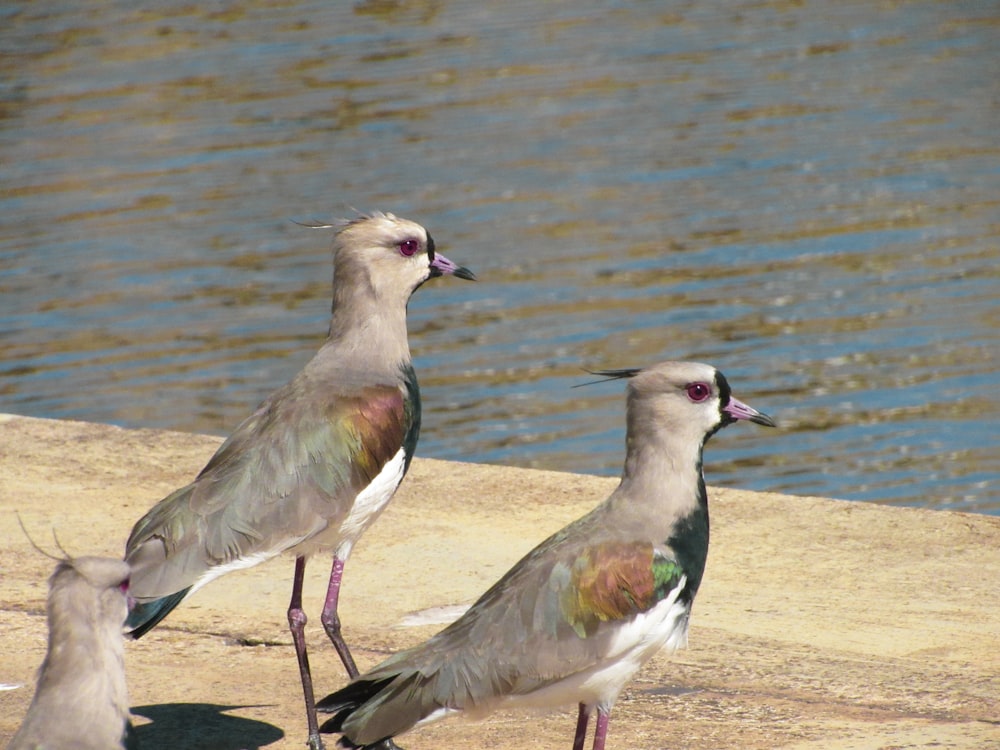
(123, 586)
(408, 247)
(698, 391)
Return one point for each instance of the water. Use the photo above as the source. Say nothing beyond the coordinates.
(803, 194)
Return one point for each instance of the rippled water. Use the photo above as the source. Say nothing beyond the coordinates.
(803, 194)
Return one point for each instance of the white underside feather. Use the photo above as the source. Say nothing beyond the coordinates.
(370, 502)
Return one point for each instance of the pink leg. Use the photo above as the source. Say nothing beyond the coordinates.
(601, 729)
(581, 727)
(331, 624)
(297, 624)
(331, 620)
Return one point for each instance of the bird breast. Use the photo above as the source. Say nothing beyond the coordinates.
(371, 501)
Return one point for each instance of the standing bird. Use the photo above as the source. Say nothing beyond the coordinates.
(317, 461)
(580, 614)
(81, 700)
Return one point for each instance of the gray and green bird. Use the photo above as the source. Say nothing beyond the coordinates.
(576, 618)
(318, 460)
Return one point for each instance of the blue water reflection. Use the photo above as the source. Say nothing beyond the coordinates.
(802, 195)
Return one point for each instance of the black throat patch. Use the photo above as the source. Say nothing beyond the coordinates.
(412, 411)
(689, 541)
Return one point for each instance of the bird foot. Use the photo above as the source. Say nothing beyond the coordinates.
(315, 742)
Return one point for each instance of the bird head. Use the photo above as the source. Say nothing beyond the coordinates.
(390, 256)
(96, 584)
(684, 398)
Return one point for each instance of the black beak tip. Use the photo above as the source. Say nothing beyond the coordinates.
(764, 420)
(464, 273)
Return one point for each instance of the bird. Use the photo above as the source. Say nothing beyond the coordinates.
(576, 618)
(81, 698)
(318, 460)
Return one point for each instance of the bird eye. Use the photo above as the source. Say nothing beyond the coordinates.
(698, 391)
(123, 586)
(408, 247)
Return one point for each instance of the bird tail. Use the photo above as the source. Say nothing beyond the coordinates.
(144, 616)
(362, 697)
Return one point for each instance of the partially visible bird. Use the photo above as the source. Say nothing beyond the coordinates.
(579, 615)
(81, 700)
(318, 460)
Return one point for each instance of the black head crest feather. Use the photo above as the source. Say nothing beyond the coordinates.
(606, 375)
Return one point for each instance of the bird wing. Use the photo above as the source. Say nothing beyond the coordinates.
(613, 581)
(562, 610)
(289, 471)
(560, 615)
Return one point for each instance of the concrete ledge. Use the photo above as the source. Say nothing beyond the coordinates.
(821, 624)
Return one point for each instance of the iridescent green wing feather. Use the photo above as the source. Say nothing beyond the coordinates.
(614, 581)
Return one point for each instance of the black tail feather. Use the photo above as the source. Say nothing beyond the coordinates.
(352, 695)
(345, 702)
(144, 616)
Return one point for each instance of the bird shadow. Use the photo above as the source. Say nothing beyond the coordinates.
(200, 726)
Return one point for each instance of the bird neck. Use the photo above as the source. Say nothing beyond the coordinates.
(663, 483)
(662, 465)
(368, 325)
(85, 645)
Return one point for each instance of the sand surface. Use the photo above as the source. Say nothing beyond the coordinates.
(820, 623)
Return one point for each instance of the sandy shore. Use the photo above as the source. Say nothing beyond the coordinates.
(820, 623)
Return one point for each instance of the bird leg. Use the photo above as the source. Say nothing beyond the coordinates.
(331, 624)
(331, 620)
(297, 624)
(581, 727)
(601, 728)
